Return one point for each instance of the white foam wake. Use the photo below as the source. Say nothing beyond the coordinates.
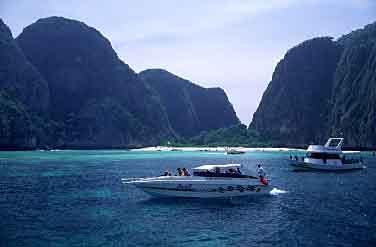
(276, 191)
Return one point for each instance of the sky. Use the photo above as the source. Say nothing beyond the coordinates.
(232, 44)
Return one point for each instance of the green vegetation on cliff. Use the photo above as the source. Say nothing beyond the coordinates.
(235, 136)
(353, 106)
(24, 96)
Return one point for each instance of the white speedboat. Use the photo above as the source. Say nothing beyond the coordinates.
(208, 181)
(328, 157)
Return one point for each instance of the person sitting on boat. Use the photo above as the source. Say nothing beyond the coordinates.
(167, 173)
(238, 171)
(217, 170)
(185, 172)
(179, 172)
(230, 171)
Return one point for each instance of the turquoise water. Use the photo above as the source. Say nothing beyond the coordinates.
(76, 198)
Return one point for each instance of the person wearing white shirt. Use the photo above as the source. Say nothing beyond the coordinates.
(260, 171)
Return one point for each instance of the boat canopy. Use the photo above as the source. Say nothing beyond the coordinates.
(212, 168)
(334, 143)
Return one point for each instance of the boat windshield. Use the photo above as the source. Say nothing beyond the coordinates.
(219, 171)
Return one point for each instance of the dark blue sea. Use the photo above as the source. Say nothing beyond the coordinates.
(76, 198)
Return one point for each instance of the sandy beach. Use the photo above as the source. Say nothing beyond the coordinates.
(213, 149)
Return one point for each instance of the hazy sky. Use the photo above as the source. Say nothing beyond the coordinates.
(232, 44)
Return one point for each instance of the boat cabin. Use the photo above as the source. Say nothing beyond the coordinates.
(228, 170)
(331, 153)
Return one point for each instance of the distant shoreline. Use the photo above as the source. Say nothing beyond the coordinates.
(178, 148)
(246, 149)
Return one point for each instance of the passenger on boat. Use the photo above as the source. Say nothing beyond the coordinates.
(167, 173)
(262, 175)
(185, 172)
(217, 170)
(238, 171)
(260, 171)
(230, 171)
(179, 172)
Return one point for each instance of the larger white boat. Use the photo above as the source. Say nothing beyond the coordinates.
(329, 157)
(208, 181)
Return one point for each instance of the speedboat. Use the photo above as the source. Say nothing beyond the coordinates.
(328, 157)
(208, 181)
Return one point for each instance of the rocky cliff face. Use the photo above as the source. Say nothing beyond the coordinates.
(24, 95)
(95, 97)
(293, 109)
(323, 88)
(190, 108)
(353, 112)
(62, 85)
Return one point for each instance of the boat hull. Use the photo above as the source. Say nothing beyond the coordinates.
(211, 188)
(301, 166)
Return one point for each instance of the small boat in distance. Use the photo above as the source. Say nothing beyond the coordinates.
(234, 151)
(208, 181)
(328, 157)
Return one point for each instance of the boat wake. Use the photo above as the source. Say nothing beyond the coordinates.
(276, 191)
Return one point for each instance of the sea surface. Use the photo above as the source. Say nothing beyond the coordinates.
(76, 198)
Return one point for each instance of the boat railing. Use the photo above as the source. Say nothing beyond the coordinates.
(351, 160)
